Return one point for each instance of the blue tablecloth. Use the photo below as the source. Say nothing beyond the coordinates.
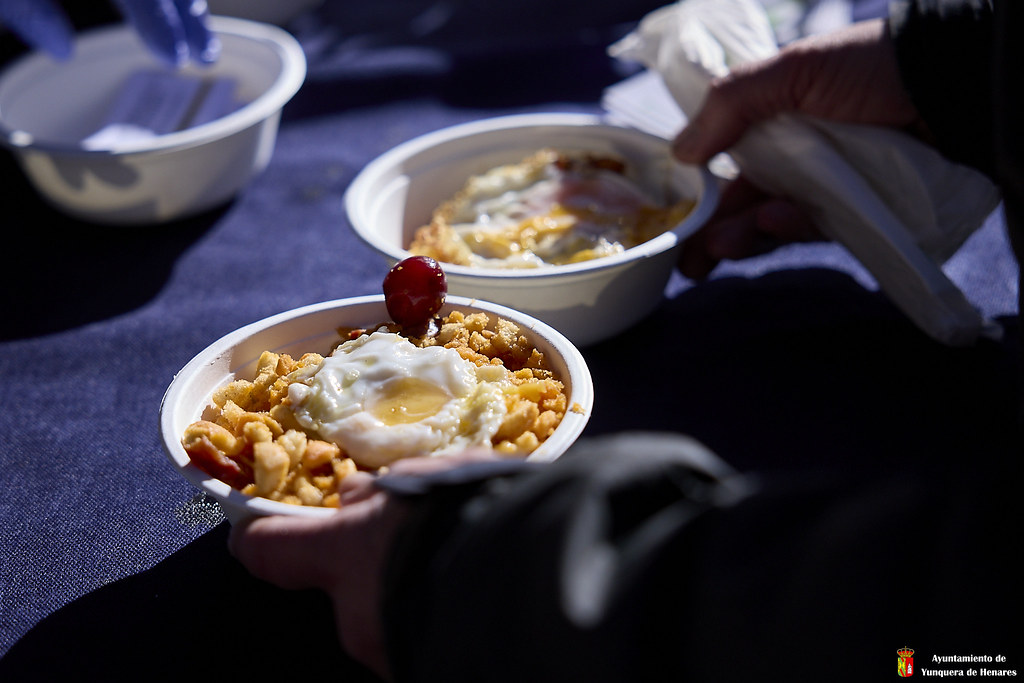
(110, 563)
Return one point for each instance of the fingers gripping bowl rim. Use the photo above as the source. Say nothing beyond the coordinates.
(312, 328)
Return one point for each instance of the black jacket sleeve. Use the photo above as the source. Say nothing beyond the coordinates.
(554, 572)
(961, 61)
(945, 53)
(643, 557)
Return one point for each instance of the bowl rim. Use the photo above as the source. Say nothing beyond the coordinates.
(288, 82)
(579, 413)
(358, 192)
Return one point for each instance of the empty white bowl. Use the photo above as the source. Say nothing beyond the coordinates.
(313, 329)
(589, 301)
(50, 109)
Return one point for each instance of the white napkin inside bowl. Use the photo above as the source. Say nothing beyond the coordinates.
(897, 205)
(152, 102)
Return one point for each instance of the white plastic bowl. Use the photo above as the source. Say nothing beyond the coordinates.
(48, 107)
(313, 329)
(588, 302)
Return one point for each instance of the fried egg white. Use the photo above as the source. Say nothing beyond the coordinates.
(549, 209)
(381, 398)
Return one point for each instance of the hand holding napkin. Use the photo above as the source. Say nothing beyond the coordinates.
(895, 203)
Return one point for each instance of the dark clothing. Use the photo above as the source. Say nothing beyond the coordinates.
(644, 557)
(961, 62)
(941, 51)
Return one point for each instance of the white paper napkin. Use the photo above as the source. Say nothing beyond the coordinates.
(897, 205)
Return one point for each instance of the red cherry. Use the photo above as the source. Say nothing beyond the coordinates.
(414, 291)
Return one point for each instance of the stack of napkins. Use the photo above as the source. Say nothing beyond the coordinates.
(897, 205)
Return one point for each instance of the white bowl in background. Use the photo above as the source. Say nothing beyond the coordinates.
(590, 301)
(313, 329)
(48, 108)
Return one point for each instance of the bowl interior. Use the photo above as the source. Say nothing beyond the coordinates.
(58, 104)
(396, 194)
(312, 328)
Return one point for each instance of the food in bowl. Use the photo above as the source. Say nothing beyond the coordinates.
(587, 302)
(552, 208)
(300, 425)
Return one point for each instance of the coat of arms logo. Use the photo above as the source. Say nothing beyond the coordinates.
(906, 661)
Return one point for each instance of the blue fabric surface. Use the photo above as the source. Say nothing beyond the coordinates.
(101, 539)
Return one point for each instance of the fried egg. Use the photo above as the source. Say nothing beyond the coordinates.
(552, 208)
(380, 398)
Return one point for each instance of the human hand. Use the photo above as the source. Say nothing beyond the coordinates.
(174, 30)
(848, 76)
(343, 555)
(40, 23)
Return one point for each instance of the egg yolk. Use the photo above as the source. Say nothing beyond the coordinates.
(407, 400)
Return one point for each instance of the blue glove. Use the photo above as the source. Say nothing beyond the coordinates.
(175, 30)
(40, 23)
